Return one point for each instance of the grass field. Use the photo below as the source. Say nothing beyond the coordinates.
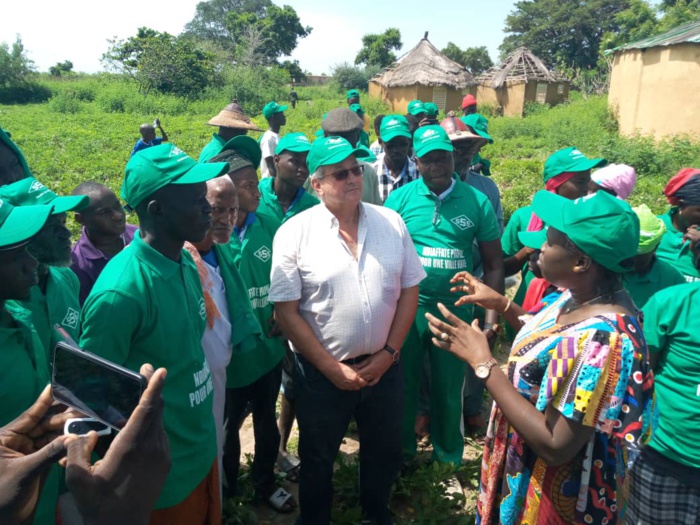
(87, 129)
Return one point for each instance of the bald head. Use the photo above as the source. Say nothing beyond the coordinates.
(220, 186)
(148, 132)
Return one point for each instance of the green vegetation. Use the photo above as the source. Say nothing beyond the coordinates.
(88, 127)
(475, 59)
(378, 49)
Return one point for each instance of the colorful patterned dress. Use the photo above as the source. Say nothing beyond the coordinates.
(594, 372)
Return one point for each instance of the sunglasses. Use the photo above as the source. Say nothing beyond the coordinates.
(344, 174)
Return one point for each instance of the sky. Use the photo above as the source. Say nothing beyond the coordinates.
(77, 30)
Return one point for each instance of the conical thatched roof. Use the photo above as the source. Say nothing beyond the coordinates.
(521, 66)
(425, 65)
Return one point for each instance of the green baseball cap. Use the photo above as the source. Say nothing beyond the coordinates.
(533, 240)
(296, 142)
(5, 139)
(18, 224)
(415, 107)
(431, 109)
(393, 126)
(247, 147)
(569, 160)
(271, 108)
(431, 138)
(602, 226)
(357, 109)
(479, 124)
(153, 168)
(330, 150)
(31, 192)
(352, 94)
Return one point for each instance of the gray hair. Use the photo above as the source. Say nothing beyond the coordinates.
(318, 174)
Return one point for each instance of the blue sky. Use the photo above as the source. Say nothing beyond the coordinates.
(77, 30)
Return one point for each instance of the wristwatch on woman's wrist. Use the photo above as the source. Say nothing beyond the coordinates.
(483, 370)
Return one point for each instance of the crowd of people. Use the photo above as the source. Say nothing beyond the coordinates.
(353, 281)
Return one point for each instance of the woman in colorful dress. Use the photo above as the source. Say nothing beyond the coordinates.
(571, 409)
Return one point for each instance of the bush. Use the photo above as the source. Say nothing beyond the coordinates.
(347, 77)
(28, 93)
(253, 87)
(67, 102)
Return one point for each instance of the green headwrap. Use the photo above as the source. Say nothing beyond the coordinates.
(651, 229)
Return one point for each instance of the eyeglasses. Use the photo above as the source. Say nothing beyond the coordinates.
(344, 174)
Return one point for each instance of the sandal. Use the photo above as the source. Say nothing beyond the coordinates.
(289, 466)
(282, 501)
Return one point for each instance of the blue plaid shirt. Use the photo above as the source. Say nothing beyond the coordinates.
(388, 183)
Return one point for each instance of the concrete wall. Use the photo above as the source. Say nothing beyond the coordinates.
(399, 97)
(656, 91)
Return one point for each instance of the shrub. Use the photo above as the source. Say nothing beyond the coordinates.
(27, 93)
(253, 87)
(67, 102)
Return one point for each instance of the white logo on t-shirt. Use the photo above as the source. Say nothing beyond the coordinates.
(202, 309)
(462, 222)
(36, 186)
(71, 318)
(263, 253)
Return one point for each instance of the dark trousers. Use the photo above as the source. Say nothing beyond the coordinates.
(262, 394)
(324, 413)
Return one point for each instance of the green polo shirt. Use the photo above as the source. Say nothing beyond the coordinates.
(212, 149)
(676, 251)
(443, 232)
(60, 306)
(146, 308)
(270, 205)
(661, 275)
(253, 258)
(23, 359)
(511, 245)
(671, 330)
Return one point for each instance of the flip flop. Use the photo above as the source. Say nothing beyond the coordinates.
(282, 501)
(289, 466)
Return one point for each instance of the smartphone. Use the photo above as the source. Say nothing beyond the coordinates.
(95, 386)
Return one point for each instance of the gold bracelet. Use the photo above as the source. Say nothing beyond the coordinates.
(506, 308)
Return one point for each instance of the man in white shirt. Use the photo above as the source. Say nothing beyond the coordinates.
(344, 282)
(274, 113)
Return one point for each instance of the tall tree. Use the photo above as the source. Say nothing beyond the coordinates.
(162, 62)
(248, 28)
(562, 32)
(475, 59)
(677, 12)
(15, 65)
(636, 22)
(377, 49)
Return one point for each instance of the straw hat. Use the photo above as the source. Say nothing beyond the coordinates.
(232, 116)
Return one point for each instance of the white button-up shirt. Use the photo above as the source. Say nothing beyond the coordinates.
(349, 303)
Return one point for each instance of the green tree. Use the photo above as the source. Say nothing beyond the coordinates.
(264, 30)
(562, 32)
(677, 12)
(294, 69)
(162, 62)
(15, 67)
(377, 48)
(61, 68)
(475, 59)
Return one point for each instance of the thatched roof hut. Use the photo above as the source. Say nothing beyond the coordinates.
(424, 74)
(654, 83)
(521, 78)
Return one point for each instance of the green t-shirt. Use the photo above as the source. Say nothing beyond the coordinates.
(511, 245)
(146, 308)
(253, 258)
(661, 275)
(269, 204)
(60, 306)
(23, 359)
(671, 330)
(212, 149)
(674, 250)
(246, 332)
(443, 232)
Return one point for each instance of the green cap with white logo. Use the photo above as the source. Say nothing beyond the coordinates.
(153, 168)
(393, 126)
(415, 107)
(569, 160)
(331, 150)
(431, 138)
(296, 142)
(271, 108)
(31, 192)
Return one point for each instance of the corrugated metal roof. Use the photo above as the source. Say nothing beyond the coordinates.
(687, 33)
